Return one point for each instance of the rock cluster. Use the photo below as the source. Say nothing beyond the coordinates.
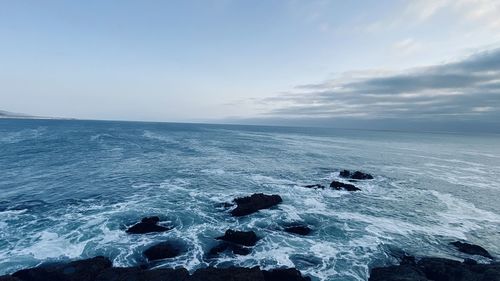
(100, 269)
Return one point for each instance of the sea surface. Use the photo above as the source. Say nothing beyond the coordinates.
(69, 189)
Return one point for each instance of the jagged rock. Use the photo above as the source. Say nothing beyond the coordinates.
(356, 175)
(162, 250)
(340, 185)
(361, 176)
(82, 270)
(471, 249)
(255, 202)
(298, 229)
(245, 238)
(320, 186)
(147, 225)
(345, 174)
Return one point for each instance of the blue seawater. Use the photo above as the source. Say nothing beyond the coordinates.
(69, 189)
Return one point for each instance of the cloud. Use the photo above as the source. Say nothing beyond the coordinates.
(468, 89)
(482, 13)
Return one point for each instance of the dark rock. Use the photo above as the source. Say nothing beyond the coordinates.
(445, 270)
(82, 270)
(138, 274)
(471, 249)
(397, 273)
(470, 262)
(162, 250)
(298, 229)
(408, 260)
(361, 176)
(99, 269)
(9, 278)
(437, 269)
(345, 174)
(340, 185)
(151, 220)
(254, 203)
(228, 274)
(224, 247)
(320, 186)
(147, 225)
(288, 274)
(355, 176)
(245, 238)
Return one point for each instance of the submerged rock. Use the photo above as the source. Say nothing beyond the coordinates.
(356, 175)
(229, 247)
(147, 225)
(340, 185)
(162, 250)
(471, 249)
(320, 186)
(298, 229)
(255, 202)
(245, 238)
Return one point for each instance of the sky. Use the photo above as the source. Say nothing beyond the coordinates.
(423, 64)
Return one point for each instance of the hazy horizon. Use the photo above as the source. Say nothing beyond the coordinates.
(402, 65)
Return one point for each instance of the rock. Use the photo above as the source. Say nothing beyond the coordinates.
(147, 225)
(247, 274)
(245, 238)
(138, 274)
(345, 174)
(470, 262)
(320, 186)
(437, 269)
(471, 249)
(298, 229)
(151, 220)
(228, 274)
(340, 185)
(254, 203)
(99, 269)
(162, 250)
(224, 246)
(445, 270)
(287, 274)
(361, 176)
(397, 273)
(9, 278)
(356, 175)
(82, 270)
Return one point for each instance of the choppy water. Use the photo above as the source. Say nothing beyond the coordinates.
(70, 188)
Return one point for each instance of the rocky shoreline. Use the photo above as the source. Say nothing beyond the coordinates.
(241, 242)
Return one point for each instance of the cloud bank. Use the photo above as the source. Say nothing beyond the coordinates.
(467, 90)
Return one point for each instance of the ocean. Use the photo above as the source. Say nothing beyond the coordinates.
(69, 189)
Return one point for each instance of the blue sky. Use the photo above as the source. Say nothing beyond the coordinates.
(244, 60)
